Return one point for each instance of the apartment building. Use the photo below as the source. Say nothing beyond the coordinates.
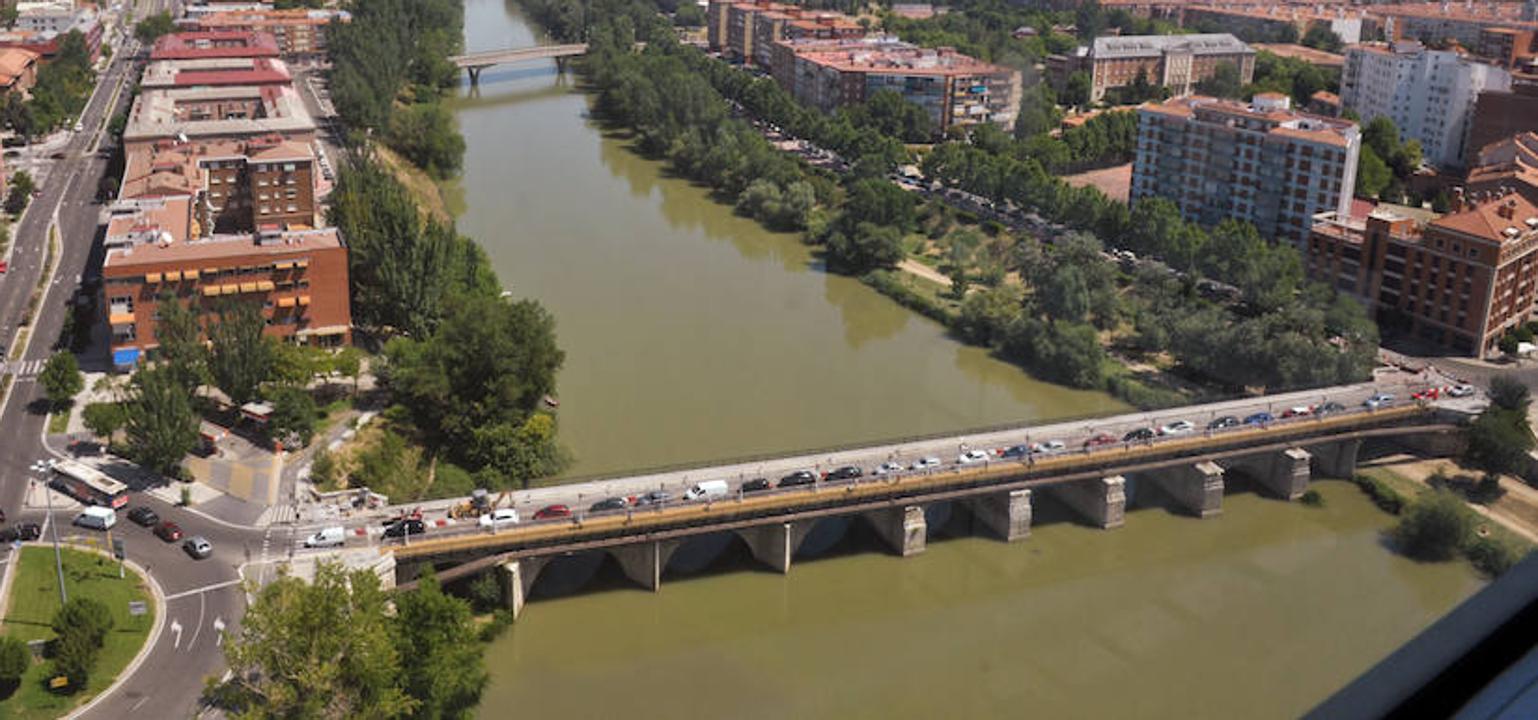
(300, 33)
(239, 185)
(955, 89)
(299, 277)
(1269, 20)
(1500, 114)
(1263, 163)
(215, 72)
(212, 45)
(1510, 164)
(1177, 62)
(1460, 22)
(1507, 47)
(1461, 280)
(746, 30)
(41, 26)
(18, 69)
(187, 114)
(1429, 94)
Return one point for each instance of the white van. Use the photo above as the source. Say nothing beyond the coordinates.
(334, 536)
(708, 490)
(97, 518)
(499, 517)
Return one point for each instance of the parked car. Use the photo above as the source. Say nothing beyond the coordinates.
(1329, 408)
(887, 468)
(799, 477)
(1297, 411)
(1139, 434)
(971, 457)
(4, 266)
(168, 531)
(1015, 451)
(925, 463)
(1099, 440)
(756, 485)
(199, 548)
(1227, 421)
(1461, 390)
(655, 497)
(1050, 446)
(25, 532)
(1378, 400)
(143, 516)
(1259, 418)
(402, 528)
(608, 504)
(1179, 427)
(549, 512)
(499, 517)
(847, 472)
(1427, 394)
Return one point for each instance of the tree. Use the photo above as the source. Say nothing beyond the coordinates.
(73, 657)
(152, 27)
(325, 648)
(869, 247)
(1224, 83)
(293, 413)
(323, 469)
(182, 350)
(1321, 37)
(1372, 174)
(445, 674)
(1509, 394)
(61, 379)
(348, 362)
(240, 358)
(158, 417)
(20, 193)
(689, 15)
(1436, 526)
(1076, 91)
(1499, 440)
(104, 419)
(1038, 111)
(85, 615)
(15, 659)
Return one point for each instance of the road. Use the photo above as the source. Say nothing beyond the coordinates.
(203, 594)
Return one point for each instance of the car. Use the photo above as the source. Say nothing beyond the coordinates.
(499, 517)
(655, 497)
(1050, 446)
(143, 516)
(756, 485)
(971, 457)
(1427, 394)
(168, 531)
(797, 478)
(404, 527)
(925, 463)
(20, 533)
(198, 547)
(550, 512)
(1179, 427)
(847, 472)
(1227, 421)
(4, 266)
(1139, 434)
(1329, 408)
(888, 468)
(1099, 440)
(1297, 411)
(1259, 418)
(1015, 451)
(1378, 400)
(1461, 390)
(79, 126)
(607, 504)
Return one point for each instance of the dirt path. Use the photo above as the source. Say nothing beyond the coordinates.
(1516, 510)
(918, 269)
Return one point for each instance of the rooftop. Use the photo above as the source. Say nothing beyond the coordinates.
(1498, 218)
(296, 16)
(149, 220)
(220, 247)
(14, 63)
(163, 113)
(1132, 46)
(896, 58)
(1304, 53)
(216, 71)
(214, 44)
(171, 168)
(1268, 114)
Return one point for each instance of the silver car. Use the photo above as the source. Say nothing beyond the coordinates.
(198, 547)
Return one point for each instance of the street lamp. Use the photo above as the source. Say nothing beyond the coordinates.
(41, 467)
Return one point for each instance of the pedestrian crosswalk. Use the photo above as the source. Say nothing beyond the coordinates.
(279, 515)
(22, 368)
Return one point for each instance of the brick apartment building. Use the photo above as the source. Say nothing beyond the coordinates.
(1461, 280)
(205, 113)
(208, 45)
(239, 185)
(746, 30)
(1262, 163)
(300, 33)
(215, 72)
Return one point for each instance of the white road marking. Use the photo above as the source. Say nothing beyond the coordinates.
(176, 627)
(204, 589)
(197, 629)
(219, 628)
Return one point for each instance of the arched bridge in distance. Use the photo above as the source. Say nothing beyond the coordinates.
(474, 63)
(1090, 466)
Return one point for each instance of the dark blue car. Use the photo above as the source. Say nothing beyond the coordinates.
(1259, 418)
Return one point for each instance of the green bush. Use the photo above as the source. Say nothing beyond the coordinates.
(73, 656)
(1382, 495)
(1312, 498)
(1435, 527)
(1490, 556)
(15, 658)
(84, 615)
(889, 284)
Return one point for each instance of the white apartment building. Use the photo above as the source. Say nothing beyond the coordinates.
(1429, 94)
(1263, 163)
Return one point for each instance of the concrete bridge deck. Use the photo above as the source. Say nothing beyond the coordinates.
(475, 62)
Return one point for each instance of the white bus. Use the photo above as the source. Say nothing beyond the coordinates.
(89, 485)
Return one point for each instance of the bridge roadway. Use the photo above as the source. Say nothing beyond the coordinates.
(475, 62)
(452, 541)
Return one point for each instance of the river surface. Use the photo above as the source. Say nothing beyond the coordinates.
(692, 334)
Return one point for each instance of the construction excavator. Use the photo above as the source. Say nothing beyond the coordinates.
(479, 504)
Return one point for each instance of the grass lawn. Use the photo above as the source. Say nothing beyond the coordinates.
(35, 598)
(58, 422)
(1409, 489)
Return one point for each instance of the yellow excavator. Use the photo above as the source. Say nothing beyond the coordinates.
(479, 504)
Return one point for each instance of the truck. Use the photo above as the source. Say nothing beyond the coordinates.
(707, 490)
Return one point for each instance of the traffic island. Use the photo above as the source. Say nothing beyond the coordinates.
(34, 599)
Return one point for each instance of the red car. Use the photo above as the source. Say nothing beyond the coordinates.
(1428, 394)
(552, 511)
(168, 531)
(4, 266)
(1101, 439)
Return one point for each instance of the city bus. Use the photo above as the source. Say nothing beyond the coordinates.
(89, 485)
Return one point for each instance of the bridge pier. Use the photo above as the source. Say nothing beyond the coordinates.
(1337, 459)
(775, 545)
(1285, 474)
(1198, 487)
(1007, 514)
(475, 75)
(643, 562)
(517, 577)
(1102, 501)
(903, 528)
